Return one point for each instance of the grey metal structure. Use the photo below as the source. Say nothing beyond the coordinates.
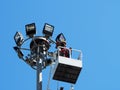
(39, 57)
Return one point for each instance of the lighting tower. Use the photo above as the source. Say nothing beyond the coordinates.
(37, 57)
(66, 69)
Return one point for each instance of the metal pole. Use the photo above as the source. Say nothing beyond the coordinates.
(39, 70)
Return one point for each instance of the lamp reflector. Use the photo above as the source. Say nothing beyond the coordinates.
(18, 38)
(30, 29)
(60, 38)
(48, 29)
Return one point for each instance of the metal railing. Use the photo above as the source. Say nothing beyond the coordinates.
(71, 50)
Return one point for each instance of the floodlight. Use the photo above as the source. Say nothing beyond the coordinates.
(20, 54)
(30, 29)
(60, 38)
(48, 29)
(18, 38)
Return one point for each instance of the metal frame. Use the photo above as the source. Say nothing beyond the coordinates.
(39, 61)
(65, 67)
(39, 57)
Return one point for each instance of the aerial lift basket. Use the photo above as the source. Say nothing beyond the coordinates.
(68, 69)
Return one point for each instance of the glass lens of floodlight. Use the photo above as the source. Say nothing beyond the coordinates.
(18, 38)
(30, 29)
(60, 38)
(48, 29)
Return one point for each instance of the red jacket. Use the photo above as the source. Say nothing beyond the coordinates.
(64, 52)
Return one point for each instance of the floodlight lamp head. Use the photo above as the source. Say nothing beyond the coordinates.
(18, 38)
(60, 40)
(30, 29)
(48, 30)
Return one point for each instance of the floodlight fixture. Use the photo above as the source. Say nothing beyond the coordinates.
(30, 29)
(48, 30)
(18, 38)
(20, 54)
(60, 38)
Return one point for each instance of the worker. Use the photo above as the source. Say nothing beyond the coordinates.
(61, 44)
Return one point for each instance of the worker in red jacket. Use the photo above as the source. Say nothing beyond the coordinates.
(61, 44)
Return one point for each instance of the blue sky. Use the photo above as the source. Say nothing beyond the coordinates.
(89, 25)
